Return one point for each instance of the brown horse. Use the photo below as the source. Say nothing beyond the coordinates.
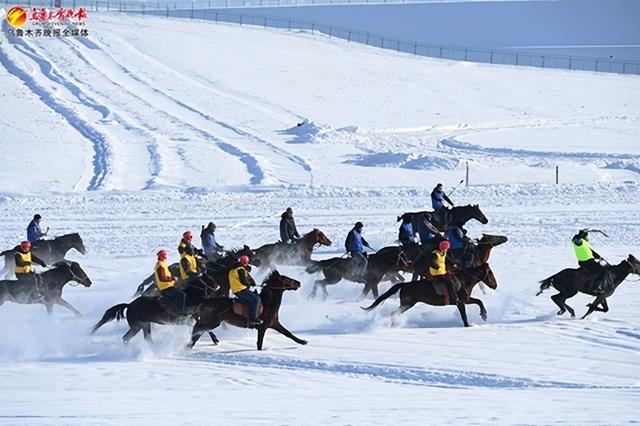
(442, 218)
(213, 312)
(425, 291)
(50, 251)
(298, 253)
(46, 288)
(569, 282)
(481, 254)
(384, 261)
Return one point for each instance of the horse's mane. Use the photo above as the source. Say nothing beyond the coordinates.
(273, 275)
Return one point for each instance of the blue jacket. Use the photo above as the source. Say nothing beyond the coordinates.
(456, 238)
(355, 242)
(405, 234)
(34, 233)
(438, 198)
(425, 234)
(209, 241)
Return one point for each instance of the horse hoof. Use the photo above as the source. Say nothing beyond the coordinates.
(484, 317)
(303, 342)
(560, 312)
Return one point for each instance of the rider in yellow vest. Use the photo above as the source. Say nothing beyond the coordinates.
(240, 281)
(188, 262)
(438, 269)
(166, 283)
(587, 259)
(23, 260)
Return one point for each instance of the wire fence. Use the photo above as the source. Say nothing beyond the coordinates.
(457, 53)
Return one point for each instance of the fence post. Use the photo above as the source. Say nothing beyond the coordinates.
(466, 180)
(289, 25)
(167, 11)
(624, 67)
(191, 10)
(240, 20)
(349, 37)
(557, 175)
(265, 22)
(465, 54)
(570, 63)
(491, 57)
(542, 61)
(517, 59)
(330, 31)
(398, 49)
(313, 25)
(142, 9)
(596, 65)
(368, 38)
(415, 48)
(440, 55)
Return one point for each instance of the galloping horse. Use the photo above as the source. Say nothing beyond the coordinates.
(230, 257)
(49, 288)
(441, 219)
(425, 291)
(146, 310)
(50, 251)
(385, 260)
(223, 309)
(298, 253)
(571, 281)
(481, 255)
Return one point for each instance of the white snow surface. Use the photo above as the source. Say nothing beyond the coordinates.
(151, 127)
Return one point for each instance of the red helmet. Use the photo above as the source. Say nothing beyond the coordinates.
(25, 245)
(162, 255)
(187, 236)
(444, 245)
(244, 260)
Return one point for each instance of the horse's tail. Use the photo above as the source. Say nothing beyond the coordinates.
(314, 267)
(113, 313)
(393, 290)
(141, 287)
(545, 284)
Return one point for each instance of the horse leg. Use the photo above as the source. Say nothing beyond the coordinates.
(559, 300)
(261, 332)
(593, 306)
(198, 330)
(604, 308)
(483, 311)
(49, 307)
(146, 330)
(67, 305)
(132, 332)
(463, 312)
(213, 337)
(280, 329)
(312, 295)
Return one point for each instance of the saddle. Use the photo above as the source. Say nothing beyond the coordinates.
(240, 307)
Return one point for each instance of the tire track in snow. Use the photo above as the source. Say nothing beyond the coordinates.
(98, 139)
(250, 162)
(298, 161)
(392, 373)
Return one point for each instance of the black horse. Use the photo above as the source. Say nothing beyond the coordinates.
(215, 311)
(46, 288)
(50, 251)
(571, 281)
(298, 253)
(146, 310)
(433, 293)
(442, 218)
(229, 259)
(384, 261)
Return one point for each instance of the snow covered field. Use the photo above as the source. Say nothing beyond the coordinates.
(152, 127)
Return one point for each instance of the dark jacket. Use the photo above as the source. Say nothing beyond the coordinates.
(209, 242)
(288, 231)
(245, 278)
(34, 232)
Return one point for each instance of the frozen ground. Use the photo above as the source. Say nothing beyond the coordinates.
(150, 128)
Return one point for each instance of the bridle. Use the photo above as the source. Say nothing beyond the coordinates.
(78, 280)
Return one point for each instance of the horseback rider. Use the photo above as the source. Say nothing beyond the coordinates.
(24, 268)
(166, 283)
(34, 232)
(288, 231)
(188, 262)
(212, 249)
(405, 233)
(355, 244)
(587, 260)
(240, 280)
(438, 197)
(461, 250)
(438, 269)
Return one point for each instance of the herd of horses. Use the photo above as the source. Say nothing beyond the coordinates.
(209, 305)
